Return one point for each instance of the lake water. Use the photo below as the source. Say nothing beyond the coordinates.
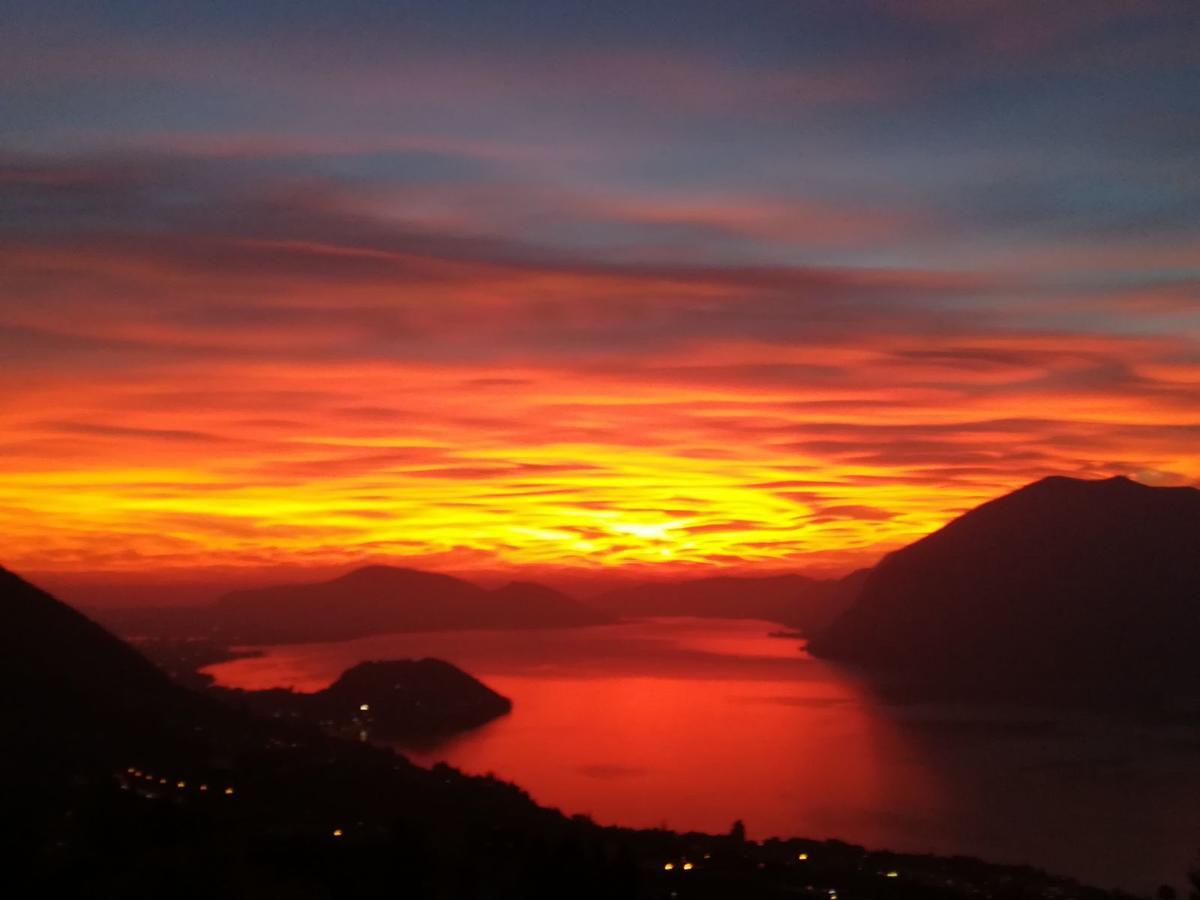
(695, 723)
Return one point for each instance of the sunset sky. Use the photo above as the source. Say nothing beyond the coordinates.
(547, 284)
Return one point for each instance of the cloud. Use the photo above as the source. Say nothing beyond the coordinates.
(269, 374)
(754, 288)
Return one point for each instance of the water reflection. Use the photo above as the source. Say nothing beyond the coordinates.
(695, 723)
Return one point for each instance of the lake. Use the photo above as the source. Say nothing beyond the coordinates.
(693, 723)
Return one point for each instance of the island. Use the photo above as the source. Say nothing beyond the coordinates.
(388, 700)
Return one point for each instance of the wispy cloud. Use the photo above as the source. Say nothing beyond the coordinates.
(773, 289)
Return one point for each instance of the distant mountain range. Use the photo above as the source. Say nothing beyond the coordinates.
(377, 599)
(380, 599)
(1064, 585)
(369, 600)
(119, 783)
(793, 600)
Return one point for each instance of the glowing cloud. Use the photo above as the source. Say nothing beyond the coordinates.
(707, 297)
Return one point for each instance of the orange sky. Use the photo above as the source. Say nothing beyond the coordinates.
(749, 287)
(542, 416)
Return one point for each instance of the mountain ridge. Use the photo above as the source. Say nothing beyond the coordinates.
(379, 598)
(1063, 583)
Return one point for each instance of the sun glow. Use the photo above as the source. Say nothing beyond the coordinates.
(447, 473)
(466, 323)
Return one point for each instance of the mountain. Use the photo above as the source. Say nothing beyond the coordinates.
(1064, 584)
(793, 600)
(526, 604)
(94, 665)
(380, 599)
(63, 679)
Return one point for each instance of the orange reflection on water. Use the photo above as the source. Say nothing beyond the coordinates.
(691, 754)
(688, 722)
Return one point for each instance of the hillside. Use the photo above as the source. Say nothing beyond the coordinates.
(1064, 584)
(380, 599)
(65, 679)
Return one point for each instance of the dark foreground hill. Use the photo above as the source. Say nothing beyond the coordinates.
(793, 600)
(119, 783)
(1087, 587)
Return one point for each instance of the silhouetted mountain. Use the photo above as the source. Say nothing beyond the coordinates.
(1064, 584)
(526, 604)
(90, 665)
(64, 679)
(380, 599)
(385, 700)
(794, 600)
